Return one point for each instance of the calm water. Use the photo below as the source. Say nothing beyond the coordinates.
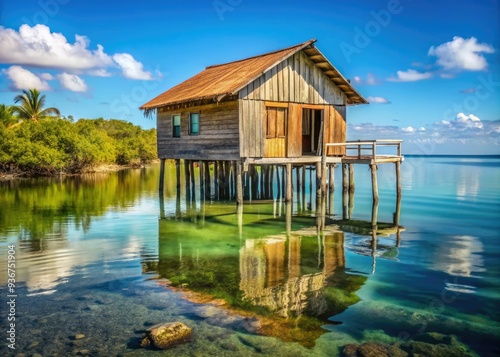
(100, 255)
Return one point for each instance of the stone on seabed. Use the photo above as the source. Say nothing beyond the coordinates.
(166, 335)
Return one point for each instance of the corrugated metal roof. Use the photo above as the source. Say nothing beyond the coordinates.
(217, 81)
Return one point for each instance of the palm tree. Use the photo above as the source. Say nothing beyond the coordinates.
(31, 106)
(7, 115)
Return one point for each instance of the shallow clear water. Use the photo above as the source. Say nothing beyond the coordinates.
(100, 255)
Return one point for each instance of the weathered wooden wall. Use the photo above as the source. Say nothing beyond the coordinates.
(218, 138)
(296, 80)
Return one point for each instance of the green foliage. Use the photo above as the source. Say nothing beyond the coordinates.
(58, 145)
(7, 115)
(31, 104)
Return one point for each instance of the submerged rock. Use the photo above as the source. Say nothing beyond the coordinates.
(166, 335)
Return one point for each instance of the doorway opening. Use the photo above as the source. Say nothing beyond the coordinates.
(311, 130)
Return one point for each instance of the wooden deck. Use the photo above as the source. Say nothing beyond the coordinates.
(357, 152)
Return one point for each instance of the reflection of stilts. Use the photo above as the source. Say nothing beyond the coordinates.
(374, 248)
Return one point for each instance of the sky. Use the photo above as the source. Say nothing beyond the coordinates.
(430, 69)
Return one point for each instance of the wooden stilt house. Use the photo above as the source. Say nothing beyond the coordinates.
(286, 107)
(284, 104)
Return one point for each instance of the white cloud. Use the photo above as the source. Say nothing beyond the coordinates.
(462, 54)
(23, 79)
(37, 46)
(100, 72)
(410, 75)
(131, 68)
(378, 100)
(370, 80)
(72, 82)
(46, 76)
(408, 129)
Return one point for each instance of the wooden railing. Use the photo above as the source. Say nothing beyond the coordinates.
(365, 148)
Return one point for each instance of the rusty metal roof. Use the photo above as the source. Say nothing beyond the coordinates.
(219, 81)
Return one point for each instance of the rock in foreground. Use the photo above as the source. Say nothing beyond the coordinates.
(166, 335)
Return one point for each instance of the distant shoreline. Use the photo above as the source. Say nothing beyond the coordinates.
(456, 155)
(102, 168)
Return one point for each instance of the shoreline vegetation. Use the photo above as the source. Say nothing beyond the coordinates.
(41, 142)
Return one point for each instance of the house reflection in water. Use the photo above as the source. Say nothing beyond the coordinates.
(288, 275)
(295, 281)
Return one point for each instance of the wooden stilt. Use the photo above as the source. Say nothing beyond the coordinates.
(216, 180)
(304, 187)
(351, 179)
(227, 180)
(208, 188)
(318, 186)
(373, 169)
(278, 183)
(187, 178)
(255, 183)
(162, 176)
(178, 174)
(331, 186)
(201, 168)
(288, 198)
(283, 181)
(193, 179)
(246, 190)
(271, 182)
(239, 184)
(345, 186)
(397, 214)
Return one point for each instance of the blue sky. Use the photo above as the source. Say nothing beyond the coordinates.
(431, 69)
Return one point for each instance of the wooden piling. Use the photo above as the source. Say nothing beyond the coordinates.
(345, 186)
(202, 180)
(288, 198)
(351, 179)
(373, 169)
(278, 183)
(331, 187)
(239, 184)
(318, 186)
(178, 174)
(162, 176)
(193, 180)
(208, 188)
(397, 214)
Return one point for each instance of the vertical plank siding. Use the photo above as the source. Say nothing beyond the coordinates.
(296, 80)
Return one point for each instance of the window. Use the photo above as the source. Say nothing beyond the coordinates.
(275, 122)
(176, 126)
(194, 123)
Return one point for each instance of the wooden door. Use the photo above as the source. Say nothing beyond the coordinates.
(275, 123)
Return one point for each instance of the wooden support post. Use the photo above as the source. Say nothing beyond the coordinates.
(318, 186)
(288, 198)
(227, 181)
(351, 190)
(271, 182)
(202, 180)
(304, 187)
(178, 174)
(187, 179)
(345, 186)
(255, 183)
(216, 180)
(283, 181)
(239, 184)
(397, 214)
(278, 183)
(351, 179)
(297, 188)
(373, 168)
(162, 176)
(208, 189)
(331, 186)
(246, 190)
(193, 179)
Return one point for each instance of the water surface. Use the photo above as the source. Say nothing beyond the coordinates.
(103, 256)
